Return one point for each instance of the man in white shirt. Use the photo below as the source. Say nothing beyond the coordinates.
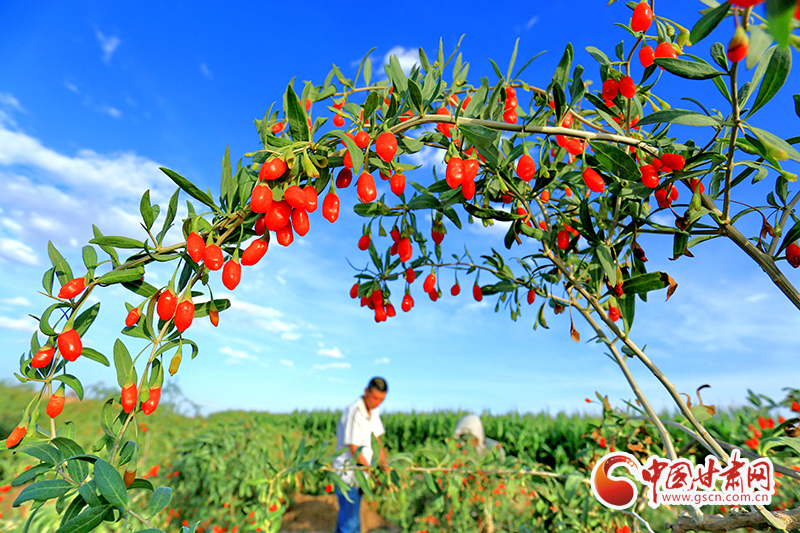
(359, 421)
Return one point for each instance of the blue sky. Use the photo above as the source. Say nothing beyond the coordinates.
(95, 97)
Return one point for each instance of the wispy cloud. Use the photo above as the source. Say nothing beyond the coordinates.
(382, 361)
(237, 356)
(72, 186)
(332, 366)
(26, 324)
(265, 318)
(207, 74)
(531, 22)
(108, 44)
(330, 352)
(286, 362)
(9, 101)
(18, 301)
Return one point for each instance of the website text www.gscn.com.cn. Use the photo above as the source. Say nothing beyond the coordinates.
(697, 498)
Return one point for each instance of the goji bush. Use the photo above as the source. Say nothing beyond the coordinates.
(576, 172)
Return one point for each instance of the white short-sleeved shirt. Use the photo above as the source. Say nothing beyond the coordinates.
(356, 428)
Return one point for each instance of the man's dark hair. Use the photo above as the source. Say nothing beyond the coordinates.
(378, 384)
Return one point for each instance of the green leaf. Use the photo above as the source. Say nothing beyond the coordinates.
(85, 319)
(42, 491)
(122, 362)
(72, 382)
(790, 236)
(190, 188)
(415, 95)
(606, 258)
(227, 186)
(691, 70)
(147, 211)
(708, 22)
(424, 201)
(89, 257)
(298, 125)
(615, 160)
(110, 484)
(513, 59)
(45, 452)
(94, 355)
(643, 283)
(395, 73)
(27, 475)
(172, 210)
(86, 521)
(121, 276)
(680, 116)
(780, 14)
(202, 309)
(142, 288)
(78, 470)
(118, 242)
(480, 136)
(356, 155)
(60, 265)
(159, 500)
(797, 105)
(564, 66)
(776, 142)
(776, 74)
(489, 213)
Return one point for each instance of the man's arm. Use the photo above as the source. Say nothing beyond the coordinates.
(360, 459)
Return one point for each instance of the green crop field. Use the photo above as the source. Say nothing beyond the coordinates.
(242, 471)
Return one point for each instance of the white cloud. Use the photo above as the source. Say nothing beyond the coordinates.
(407, 57)
(286, 362)
(20, 324)
(107, 44)
(429, 157)
(382, 361)
(78, 190)
(531, 22)
(113, 112)
(8, 100)
(237, 356)
(207, 74)
(18, 300)
(330, 352)
(332, 366)
(71, 87)
(18, 252)
(264, 318)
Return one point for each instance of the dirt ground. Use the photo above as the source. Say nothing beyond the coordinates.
(317, 514)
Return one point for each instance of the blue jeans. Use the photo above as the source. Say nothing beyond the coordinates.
(349, 519)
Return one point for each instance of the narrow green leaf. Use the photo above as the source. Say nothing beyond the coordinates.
(47, 280)
(121, 276)
(110, 484)
(86, 521)
(27, 475)
(708, 22)
(606, 258)
(643, 283)
(60, 265)
(142, 288)
(415, 95)
(489, 213)
(146, 209)
(94, 355)
(172, 210)
(680, 116)
(118, 242)
(395, 73)
(356, 155)
(72, 382)
(298, 125)
(86, 319)
(564, 66)
(425, 201)
(513, 59)
(78, 470)
(776, 74)
(690, 70)
(89, 257)
(42, 491)
(797, 105)
(190, 188)
(774, 141)
(789, 237)
(227, 186)
(122, 362)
